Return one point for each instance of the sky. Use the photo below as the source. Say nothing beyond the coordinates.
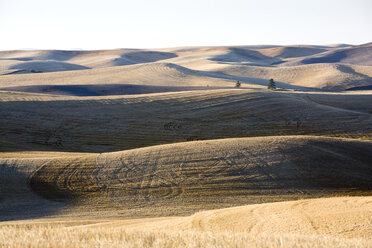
(110, 24)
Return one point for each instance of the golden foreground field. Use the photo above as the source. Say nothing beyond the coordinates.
(326, 222)
(140, 148)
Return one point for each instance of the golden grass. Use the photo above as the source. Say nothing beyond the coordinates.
(332, 222)
(60, 237)
(159, 74)
(182, 178)
(52, 197)
(328, 76)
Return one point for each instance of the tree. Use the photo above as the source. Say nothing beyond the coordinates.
(238, 84)
(271, 84)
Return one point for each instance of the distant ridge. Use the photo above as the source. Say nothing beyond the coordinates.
(334, 67)
(357, 55)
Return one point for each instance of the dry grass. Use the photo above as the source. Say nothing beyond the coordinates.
(60, 237)
(182, 178)
(291, 51)
(127, 162)
(126, 122)
(325, 76)
(311, 223)
(159, 74)
(213, 66)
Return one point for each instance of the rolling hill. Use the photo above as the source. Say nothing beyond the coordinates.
(358, 55)
(159, 148)
(112, 123)
(184, 177)
(331, 68)
(291, 51)
(325, 76)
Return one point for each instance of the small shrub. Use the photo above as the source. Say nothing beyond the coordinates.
(271, 85)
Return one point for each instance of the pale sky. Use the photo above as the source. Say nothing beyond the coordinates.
(109, 24)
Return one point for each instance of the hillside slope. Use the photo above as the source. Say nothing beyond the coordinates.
(184, 177)
(330, 67)
(303, 217)
(329, 222)
(214, 168)
(357, 55)
(51, 60)
(291, 51)
(159, 74)
(102, 124)
(326, 76)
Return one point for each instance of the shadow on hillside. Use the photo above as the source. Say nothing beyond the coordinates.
(355, 55)
(331, 57)
(140, 57)
(246, 56)
(333, 166)
(46, 66)
(17, 201)
(367, 87)
(100, 89)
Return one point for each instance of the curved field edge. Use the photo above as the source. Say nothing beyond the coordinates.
(186, 177)
(214, 167)
(245, 226)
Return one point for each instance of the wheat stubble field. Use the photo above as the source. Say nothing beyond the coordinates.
(157, 148)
